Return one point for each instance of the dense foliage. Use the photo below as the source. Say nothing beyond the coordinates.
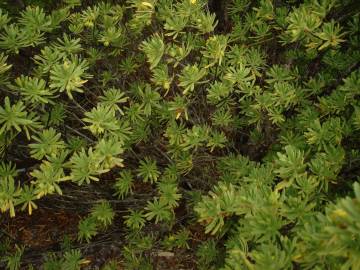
(233, 135)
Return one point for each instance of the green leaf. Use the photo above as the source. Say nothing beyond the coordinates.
(9, 194)
(148, 170)
(47, 179)
(103, 213)
(291, 164)
(69, 76)
(34, 90)
(159, 211)
(124, 184)
(154, 49)
(102, 120)
(85, 167)
(87, 229)
(16, 118)
(135, 220)
(190, 76)
(48, 142)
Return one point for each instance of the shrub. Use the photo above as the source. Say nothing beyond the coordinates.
(248, 129)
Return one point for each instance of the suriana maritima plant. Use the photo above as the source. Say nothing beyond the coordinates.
(212, 134)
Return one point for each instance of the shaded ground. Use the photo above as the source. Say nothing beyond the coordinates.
(53, 228)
